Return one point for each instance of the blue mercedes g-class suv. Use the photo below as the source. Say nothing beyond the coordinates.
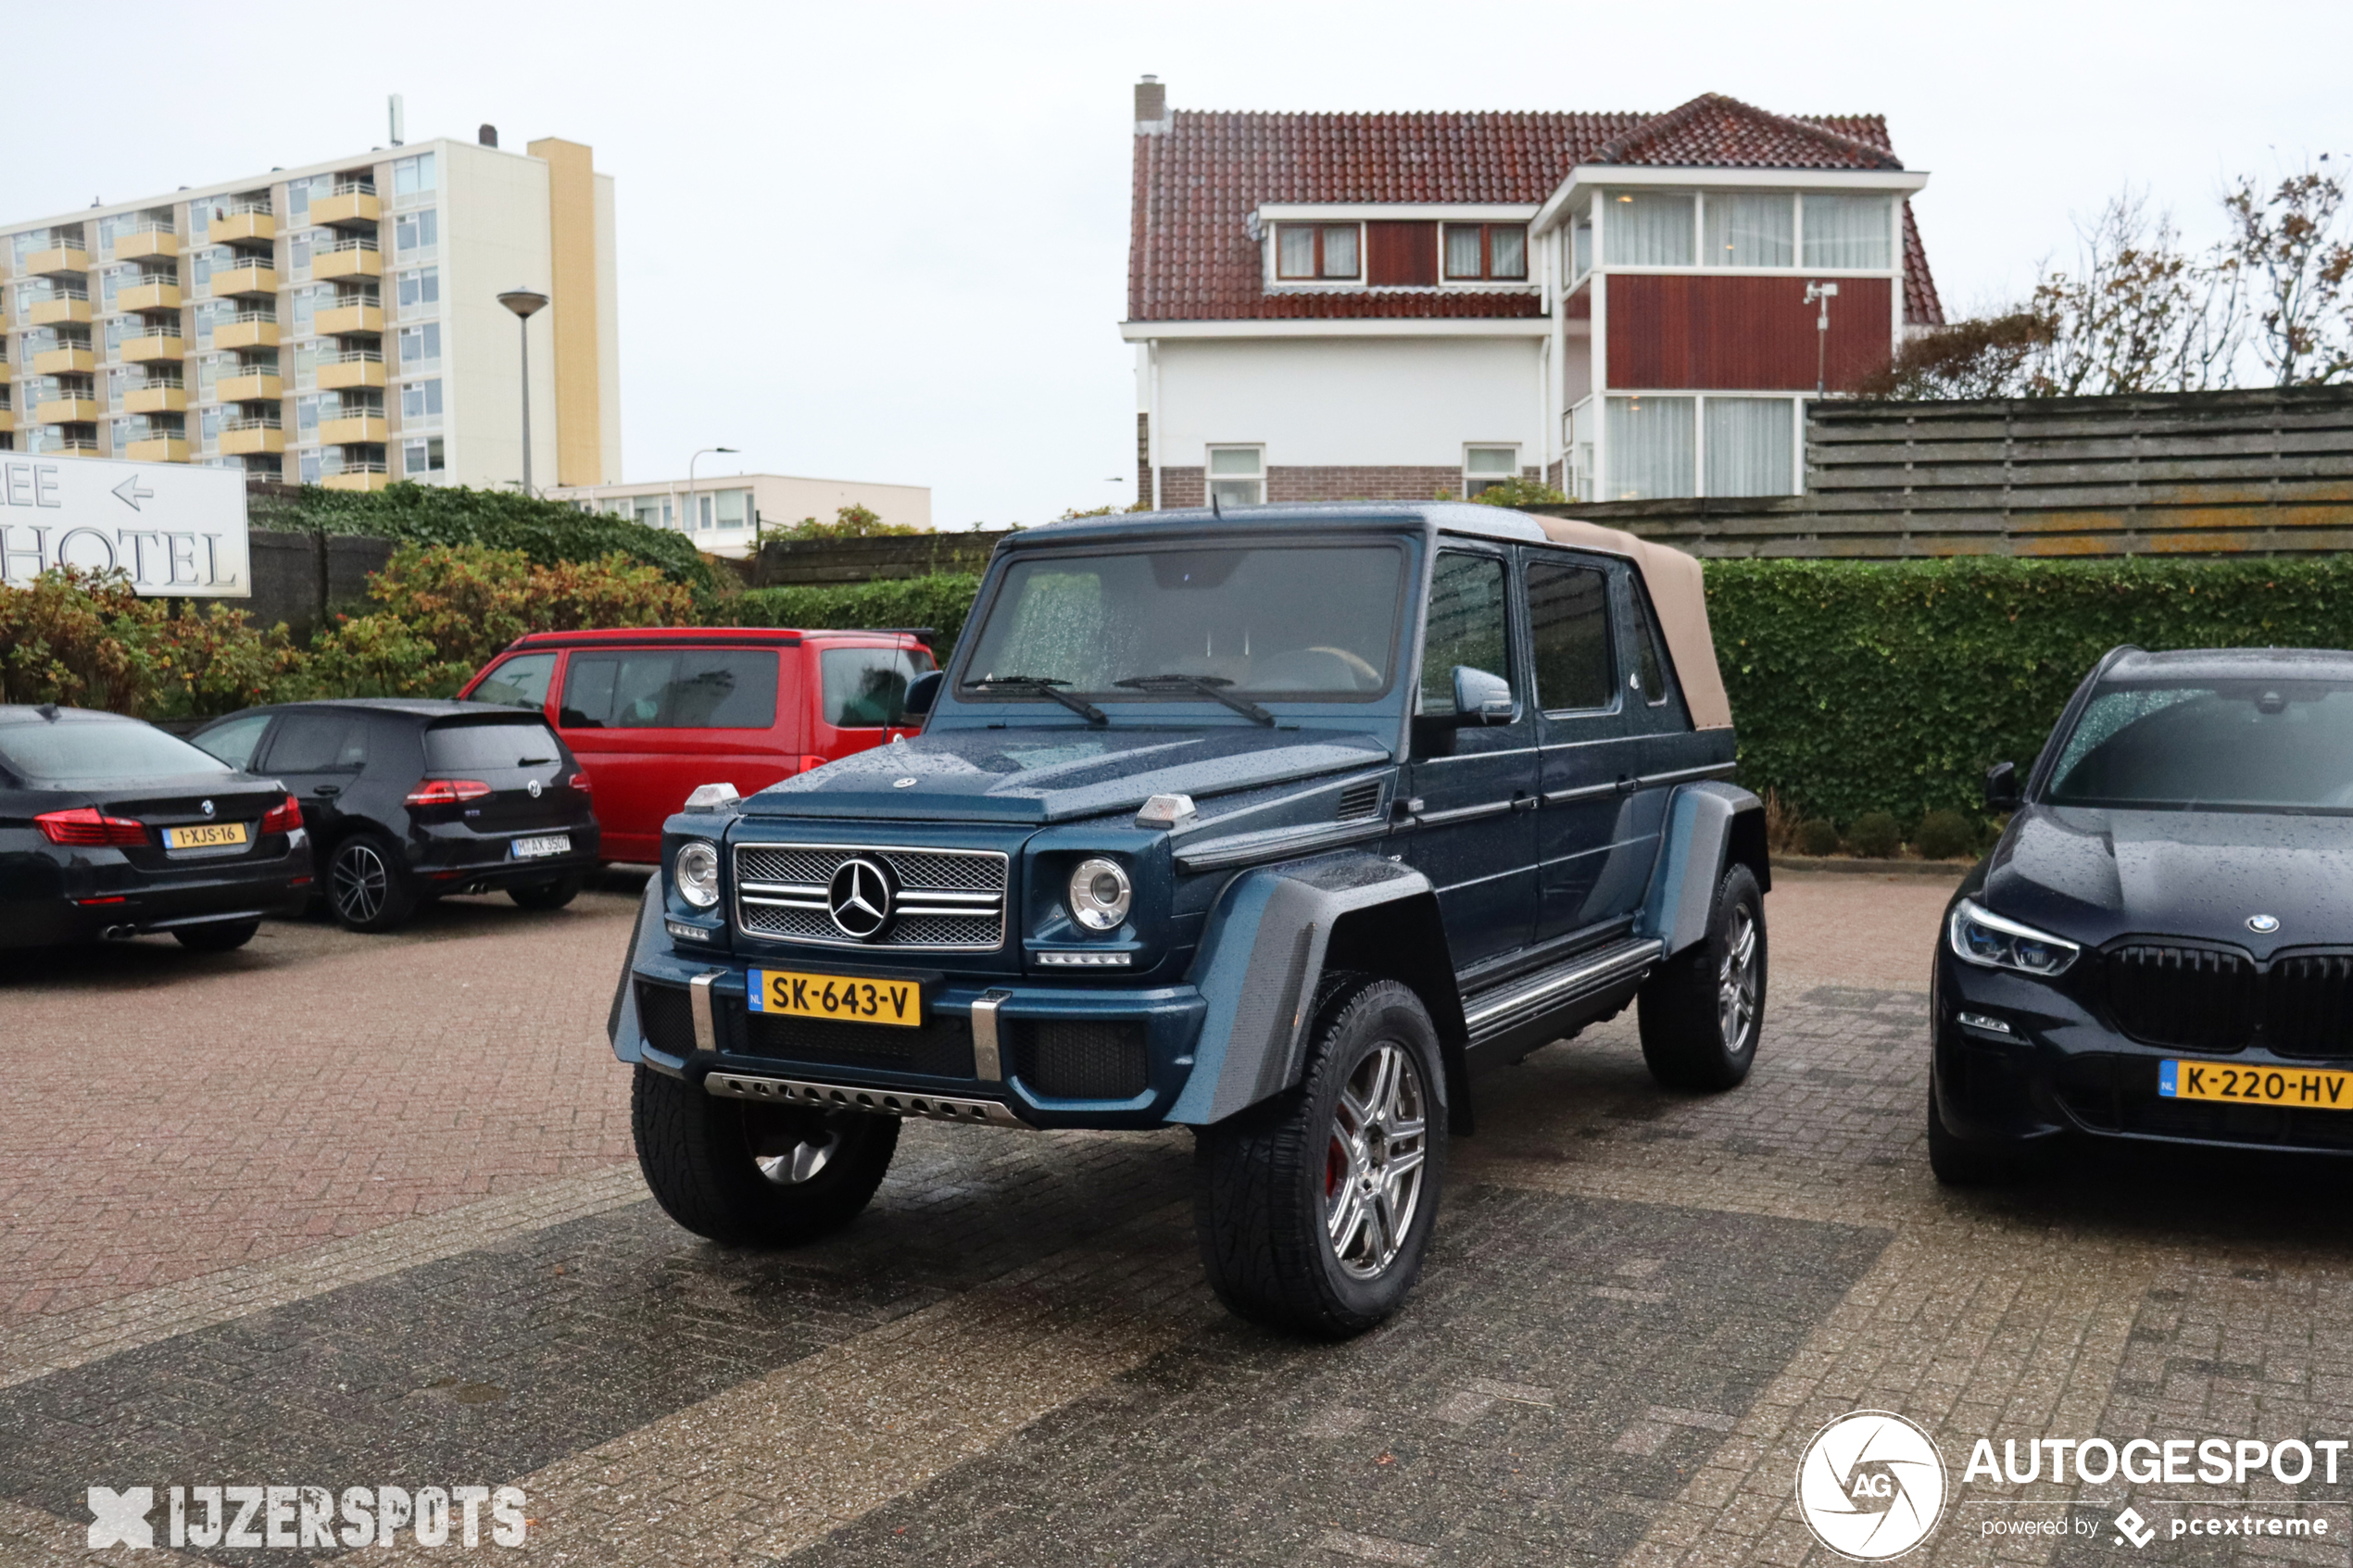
(1279, 826)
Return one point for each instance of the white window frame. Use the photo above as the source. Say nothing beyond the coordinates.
(1274, 253)
(1484, 479)
(1210, 479)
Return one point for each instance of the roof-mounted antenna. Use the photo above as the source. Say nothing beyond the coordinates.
(1214, 509)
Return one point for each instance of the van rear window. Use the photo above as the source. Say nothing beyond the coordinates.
(460, 748)
(670, 689)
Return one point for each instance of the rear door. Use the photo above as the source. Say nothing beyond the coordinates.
(319, 754)
(1589, 760)
(651, 723)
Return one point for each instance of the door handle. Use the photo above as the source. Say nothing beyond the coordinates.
(1627, 784)
(326, 791)
(1523, 801)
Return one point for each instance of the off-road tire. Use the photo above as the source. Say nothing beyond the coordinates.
(367, 884)
(547, 895)
(1260, 1178)
(216, 936)
(1967, 1162)
(697, 1153)
(1688, 1024)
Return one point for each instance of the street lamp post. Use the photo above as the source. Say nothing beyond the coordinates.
(689, 520)
(525, 304)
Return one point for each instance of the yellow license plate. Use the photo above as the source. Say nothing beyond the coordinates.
(2307, 1088)
(206, 835)
(844, 998)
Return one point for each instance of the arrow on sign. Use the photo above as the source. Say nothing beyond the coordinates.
(130, 493)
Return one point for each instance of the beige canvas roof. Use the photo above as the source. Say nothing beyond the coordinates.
(1680, 599)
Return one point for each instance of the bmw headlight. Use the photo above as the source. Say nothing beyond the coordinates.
(697, 870)
(1100, 894)
(1981, 936)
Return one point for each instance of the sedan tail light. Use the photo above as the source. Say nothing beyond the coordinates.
(448, 791)
(580, 782)
(284, 817)
(87, 824)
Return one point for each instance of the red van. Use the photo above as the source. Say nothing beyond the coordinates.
(653, 711)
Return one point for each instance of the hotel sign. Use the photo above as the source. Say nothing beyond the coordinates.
(174, 529)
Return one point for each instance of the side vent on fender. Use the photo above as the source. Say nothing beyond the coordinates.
(1360, 800)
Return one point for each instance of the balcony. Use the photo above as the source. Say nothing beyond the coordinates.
(359, 258)
(245, 277)
(150, 293)
(360, 368)
(241, 438)
(69, 409)
(149, 346)
(57, 258)
(353, 430)
(58, 307)
(251, 386)
(354, 202)
(67, 359)
(163, 397)
(338, 320)
(358, 476)
(247, 329)
(69, 446)
(158, 449)
(244, 221)
(158, 242)
(7, 420)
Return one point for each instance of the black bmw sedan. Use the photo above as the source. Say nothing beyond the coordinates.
(410, 799)
(2160, 946)
(109, 827)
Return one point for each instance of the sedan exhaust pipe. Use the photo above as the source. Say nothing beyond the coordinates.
(120, 932)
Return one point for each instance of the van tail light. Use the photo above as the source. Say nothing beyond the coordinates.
(284, 817)
(448, 791)
(87, 824)
(580, 782)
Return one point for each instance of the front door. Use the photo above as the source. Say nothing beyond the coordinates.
(1476, 781)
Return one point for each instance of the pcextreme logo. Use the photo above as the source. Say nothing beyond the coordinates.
(1871, 1486)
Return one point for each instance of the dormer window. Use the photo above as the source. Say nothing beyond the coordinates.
(1319, 252)
(1486, 252)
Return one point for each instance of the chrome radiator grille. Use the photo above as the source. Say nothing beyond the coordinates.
(947, 898)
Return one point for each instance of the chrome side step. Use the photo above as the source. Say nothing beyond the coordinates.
(846, 1096)
(1527, 999)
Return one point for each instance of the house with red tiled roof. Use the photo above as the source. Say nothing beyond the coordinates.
(1403, 305)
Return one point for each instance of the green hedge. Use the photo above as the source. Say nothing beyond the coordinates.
(546, 531)
(940, 602)
(1893, 687)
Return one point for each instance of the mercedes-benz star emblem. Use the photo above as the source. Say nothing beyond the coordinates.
(860, 896)
(534, 788)
(207, 808)
(2263, 925)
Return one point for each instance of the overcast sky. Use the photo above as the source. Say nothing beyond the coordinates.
(889, 242)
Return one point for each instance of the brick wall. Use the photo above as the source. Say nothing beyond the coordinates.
(1182, 487)
(1362, 483)
(1143, 459)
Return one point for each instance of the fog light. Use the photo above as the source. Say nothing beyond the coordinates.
(685, 933)
(1083, 959)
(1991, 1025)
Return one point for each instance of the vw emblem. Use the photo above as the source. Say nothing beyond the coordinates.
(207, 808)
(860, 897)
(902, 784)
(534, 788)
(2263, 925)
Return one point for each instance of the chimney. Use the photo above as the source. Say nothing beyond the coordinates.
(1152, 107)
(487, 135)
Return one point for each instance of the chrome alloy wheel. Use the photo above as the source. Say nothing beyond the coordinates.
(360, 880)
(1736, 983)
(789, 1157)
(1373, 1160)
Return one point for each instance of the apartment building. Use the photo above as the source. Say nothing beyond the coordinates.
(335, 324)
(1403, 305)
(724, 513)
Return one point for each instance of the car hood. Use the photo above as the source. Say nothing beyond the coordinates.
(1055, 773)
(2093, 875)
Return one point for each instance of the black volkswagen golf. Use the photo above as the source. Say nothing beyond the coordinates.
(109, 827)
(410, 799)
(2160, 946)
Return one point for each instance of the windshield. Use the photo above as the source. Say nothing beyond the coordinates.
(1285, 621)
(115, 753)
(2253, 746)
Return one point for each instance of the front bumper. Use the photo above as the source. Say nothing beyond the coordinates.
(2063, 1072)
(1067, 1056)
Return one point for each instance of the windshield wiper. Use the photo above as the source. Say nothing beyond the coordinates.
(1043, 686)
(1210, 686)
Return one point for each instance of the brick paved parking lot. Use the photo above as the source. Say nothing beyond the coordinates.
(345, 1212)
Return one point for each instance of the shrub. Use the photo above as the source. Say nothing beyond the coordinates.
(1816, 837)
(211, 659)
(80, 638)
(468, 601)
(546, 531)
(1946, 835)
(850, 522)
(941, 601)
(376, 656)
(1519, 491)
(1875, 836)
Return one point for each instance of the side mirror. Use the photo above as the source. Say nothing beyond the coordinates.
(922, 692)
(2001, 787)
(1481, 698)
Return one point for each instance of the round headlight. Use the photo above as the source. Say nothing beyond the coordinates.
(697, 872)
(1100, 894)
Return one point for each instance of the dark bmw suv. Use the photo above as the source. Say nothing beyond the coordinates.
(410, 799)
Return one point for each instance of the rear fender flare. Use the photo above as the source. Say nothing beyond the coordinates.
(1710, 827)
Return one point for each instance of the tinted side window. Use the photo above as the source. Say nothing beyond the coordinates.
(866, 688)
(1569, 615)
(521, 681)
(1465, 626)
(319, 743)
(691, 688)
(725, 689)
(233, 741)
